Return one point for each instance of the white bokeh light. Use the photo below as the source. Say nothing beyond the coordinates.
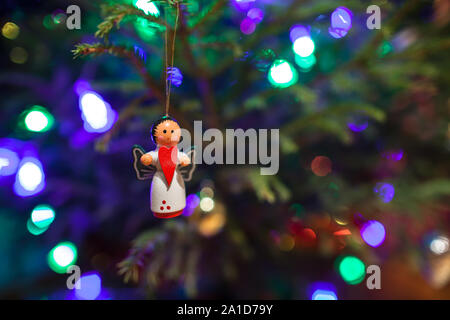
(439, 245)
(207, 204)
(36, 121)
(94, 110)
(63, 255)
(30, 176)
(303, 46)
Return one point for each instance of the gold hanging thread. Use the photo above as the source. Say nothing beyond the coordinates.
(172, 53)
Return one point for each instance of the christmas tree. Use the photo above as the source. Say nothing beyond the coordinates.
(358, 91)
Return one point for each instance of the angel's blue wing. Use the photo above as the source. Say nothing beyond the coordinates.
(187, 171)
(142, 172)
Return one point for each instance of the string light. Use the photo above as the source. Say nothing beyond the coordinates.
(38, 119)
(255, 14)
(321, 166)
(305, 63)
(9, 162)
(33, 229)
(352, 270)
(323, 291)
(42, 216)
(18, 55)
(248, 26)
(373, 233)
(10, 30)
(148, 7)
(439, 245)
(385, 191)
(62, 256)
(30, 178)
(298, 31)
(282, 74)
(341, 22)
(303, 46)
(89, 286)
(97, 114)
(207, 204)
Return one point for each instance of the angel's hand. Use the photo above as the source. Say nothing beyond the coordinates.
(185, 161)
(146, 159)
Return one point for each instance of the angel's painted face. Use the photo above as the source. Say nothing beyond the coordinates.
(168, 133)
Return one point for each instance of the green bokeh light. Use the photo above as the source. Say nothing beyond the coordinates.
(33, 229)
(305, 63)
(62, 256)
(38, 119)
(147, 6)
(282, 74)
(352, 270)
(42, 216)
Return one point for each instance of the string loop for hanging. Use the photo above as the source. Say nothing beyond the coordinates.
(172, 55)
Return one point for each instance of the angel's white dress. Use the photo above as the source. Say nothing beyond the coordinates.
(167, 201)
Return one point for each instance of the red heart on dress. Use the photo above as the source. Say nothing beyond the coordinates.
(167, 159)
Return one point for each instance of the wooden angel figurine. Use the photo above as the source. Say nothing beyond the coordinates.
(167, 167)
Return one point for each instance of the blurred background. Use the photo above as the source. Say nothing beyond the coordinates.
(364, 149)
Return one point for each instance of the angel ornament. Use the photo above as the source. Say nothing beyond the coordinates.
(167, 167)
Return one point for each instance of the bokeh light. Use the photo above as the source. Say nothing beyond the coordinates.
(352, 270)
(42, 215)
(358, 123)
(341, 22)
(439, 245)
(303, 46)
(9, 162)
(321, 166)
(30, 178)
(211, 224)
(373, 233)
(282, 74)
(385, 191)
(248, 26)
(287, 242)
(148, 7)
(243, 5)
(97, 114)
(33, 229)
(62, 256)
(18, 55)
(207, 204)
(298, 31)
(10, 30)
(323, 291)
(256, 14)
(305, 63)
(90, 286)
(38, 119)
(192, 202)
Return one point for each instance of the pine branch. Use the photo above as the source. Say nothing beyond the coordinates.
(115, 14)
(97, 49)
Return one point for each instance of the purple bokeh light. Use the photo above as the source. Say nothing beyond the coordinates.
(243, 5)
(256, 14)
(341, 22)
(248, 26)
(90, 286)
(192, 202)
(9, 162)
(322, 291)
(30, 177)
(298, 31)
(373, 233)
(385, 191)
